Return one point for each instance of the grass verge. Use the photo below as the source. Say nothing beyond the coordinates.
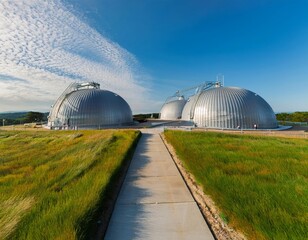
(53, 183)
(259, 183)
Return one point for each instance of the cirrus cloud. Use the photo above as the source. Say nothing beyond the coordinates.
(44, 47)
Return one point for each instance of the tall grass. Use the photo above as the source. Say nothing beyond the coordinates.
(259, 183)
(51, 182)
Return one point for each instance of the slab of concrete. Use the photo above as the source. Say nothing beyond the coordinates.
(154, 190)
(174, 221)
(157, 155)
(153, 169)
(154, 202)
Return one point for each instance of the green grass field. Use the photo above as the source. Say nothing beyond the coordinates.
(260, 184)
(52, 182)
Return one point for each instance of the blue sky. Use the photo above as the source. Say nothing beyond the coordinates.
(145, 50)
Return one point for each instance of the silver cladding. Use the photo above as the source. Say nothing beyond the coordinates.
(172, 110)
(186, 113)
(231, 107)
(93, 108)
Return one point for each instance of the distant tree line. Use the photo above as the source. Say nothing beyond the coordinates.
(293, 117)
(23, 117)
(143, 117)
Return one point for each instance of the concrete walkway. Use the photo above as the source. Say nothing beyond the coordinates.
(154, 202)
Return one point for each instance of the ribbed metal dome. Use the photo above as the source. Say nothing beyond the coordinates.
(172, 110)
(186, 113)
(90, 108)
(230, 107)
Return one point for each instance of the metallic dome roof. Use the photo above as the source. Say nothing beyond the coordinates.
(90, 108)
(229, 107)
(186, 113)
(172, 110)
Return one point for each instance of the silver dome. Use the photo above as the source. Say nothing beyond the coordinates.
(90, 108)
(230, 107)
(172, 110)
(186, 113)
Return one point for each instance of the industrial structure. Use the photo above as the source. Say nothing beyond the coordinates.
(172, 109)
(173, 106)
(86, 106)
(215, 106)
(231, 108)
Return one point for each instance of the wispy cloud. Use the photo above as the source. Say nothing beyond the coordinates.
(44, 47)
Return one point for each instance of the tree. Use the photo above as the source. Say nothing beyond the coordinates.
(293, 117)
(34, 117)
(283, 117)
